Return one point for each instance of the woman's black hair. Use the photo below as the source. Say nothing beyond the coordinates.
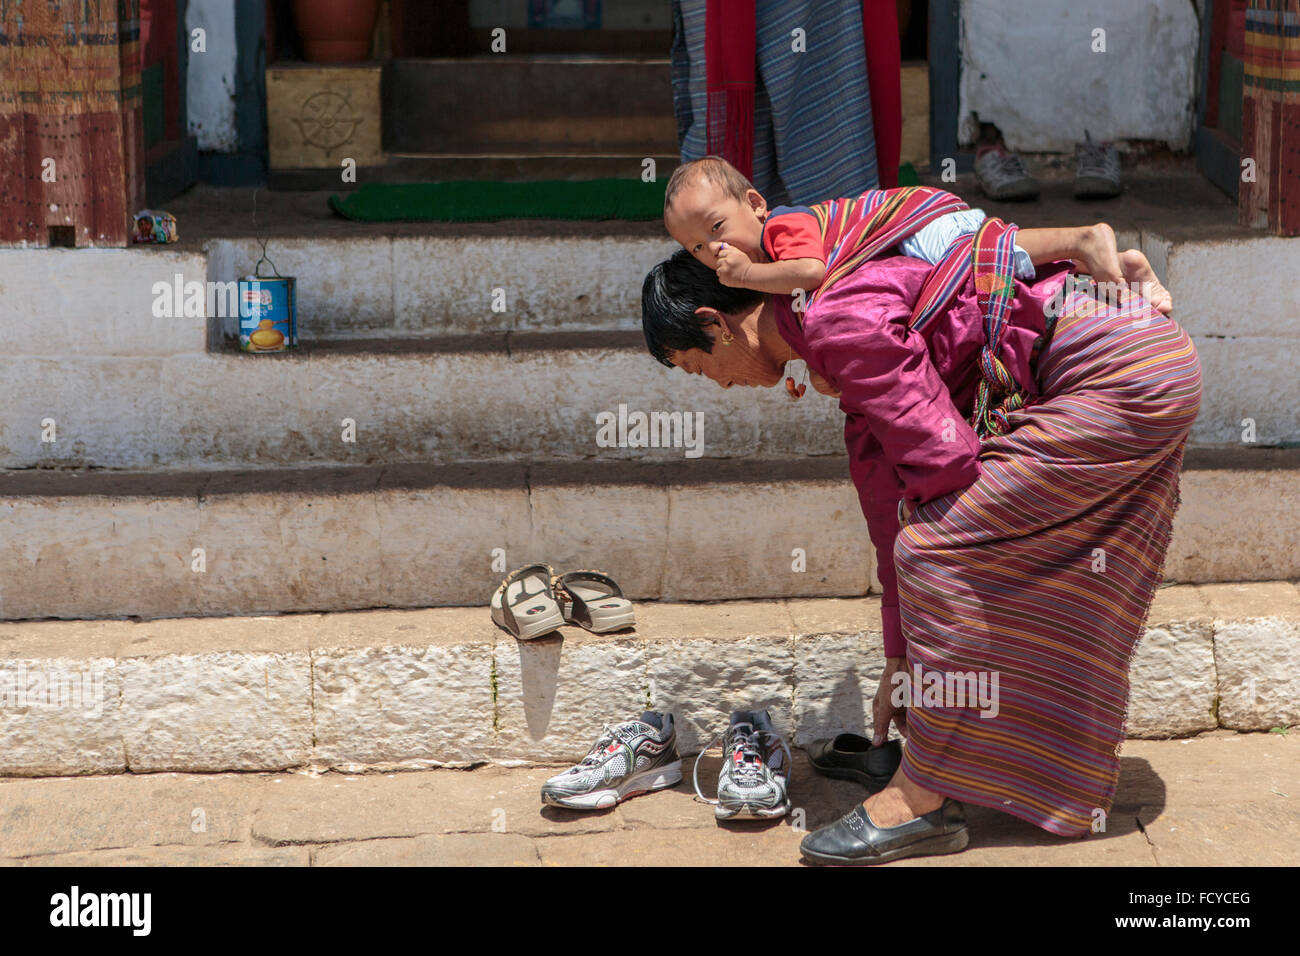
(671, 293)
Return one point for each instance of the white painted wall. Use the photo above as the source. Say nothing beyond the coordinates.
(210, 96)
(1036, 77)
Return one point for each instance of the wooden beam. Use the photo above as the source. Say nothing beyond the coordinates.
(945, 91)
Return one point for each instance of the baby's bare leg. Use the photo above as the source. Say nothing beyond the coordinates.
(1139, 274)
(1091, 248)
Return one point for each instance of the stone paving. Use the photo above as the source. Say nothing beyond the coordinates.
(1218, 799)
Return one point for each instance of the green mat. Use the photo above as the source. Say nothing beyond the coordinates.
(482, 201)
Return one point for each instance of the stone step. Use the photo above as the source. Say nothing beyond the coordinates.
(150, 544)
(510, 167)
(490, 396)
(429, 365)
(496, 103)
(501, 396)
(429, 286)
(412, 689)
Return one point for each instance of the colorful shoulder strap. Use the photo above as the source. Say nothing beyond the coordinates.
(858, 229)
(991, 254)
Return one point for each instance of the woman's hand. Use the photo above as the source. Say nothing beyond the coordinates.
(883, 709)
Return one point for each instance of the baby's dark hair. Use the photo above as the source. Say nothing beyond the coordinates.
(716, 170)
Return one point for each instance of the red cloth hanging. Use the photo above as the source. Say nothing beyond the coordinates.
(730, 55)
(882, 44)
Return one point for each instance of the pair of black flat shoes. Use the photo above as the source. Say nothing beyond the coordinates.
(854, 840)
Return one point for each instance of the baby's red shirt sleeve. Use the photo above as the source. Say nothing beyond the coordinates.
(792, 232)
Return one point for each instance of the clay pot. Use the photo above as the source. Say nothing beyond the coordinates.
(335, 31)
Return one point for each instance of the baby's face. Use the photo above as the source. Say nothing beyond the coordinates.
(702, 216)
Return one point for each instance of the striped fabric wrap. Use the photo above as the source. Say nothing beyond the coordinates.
(1270, 120)
(1271, 66)
(858, 229)
(1034, 582)
(813, 129)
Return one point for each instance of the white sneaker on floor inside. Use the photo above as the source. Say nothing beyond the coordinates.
(1003, 176)
(1096, 174)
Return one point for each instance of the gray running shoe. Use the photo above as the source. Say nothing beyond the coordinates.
(754, 779)
(627, 759)
(1096, 174)
(1002, 175)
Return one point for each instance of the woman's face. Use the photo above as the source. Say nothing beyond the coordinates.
(740, 362)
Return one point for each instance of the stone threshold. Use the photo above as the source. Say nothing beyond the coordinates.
(383, 690)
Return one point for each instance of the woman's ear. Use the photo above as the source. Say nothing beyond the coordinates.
(712, 318)
(706, 316)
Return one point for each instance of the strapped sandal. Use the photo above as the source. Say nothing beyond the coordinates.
(525, 604)
(592, 599)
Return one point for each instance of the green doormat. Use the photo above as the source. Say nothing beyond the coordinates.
(481, 201)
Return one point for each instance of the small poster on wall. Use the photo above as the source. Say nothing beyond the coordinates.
(564, 14)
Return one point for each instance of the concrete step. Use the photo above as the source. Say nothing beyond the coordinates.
(490, 396)
(429, 286)
(506, 396)
(128, 384)
(104, 367)
(150, 544)
(510, 167)
(412, 689)
(531, 104)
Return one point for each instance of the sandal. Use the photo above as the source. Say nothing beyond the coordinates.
(593, 600)
(525, 604)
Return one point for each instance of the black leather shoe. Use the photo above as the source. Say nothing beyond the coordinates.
(853, 840)
(851, 757)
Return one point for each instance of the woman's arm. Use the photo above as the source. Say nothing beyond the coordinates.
(879, 492)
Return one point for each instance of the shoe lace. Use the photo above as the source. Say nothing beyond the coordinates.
(744, 740)
(624, 733)
(607, 737)
(744, 755)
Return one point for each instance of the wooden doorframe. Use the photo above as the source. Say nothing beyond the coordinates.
(1218, 159)
(945, 86)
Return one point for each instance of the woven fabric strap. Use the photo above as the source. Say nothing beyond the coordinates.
(990, 253)
(859, 229)
(995, 290)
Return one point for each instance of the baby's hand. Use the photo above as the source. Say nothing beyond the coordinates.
(733, 265)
